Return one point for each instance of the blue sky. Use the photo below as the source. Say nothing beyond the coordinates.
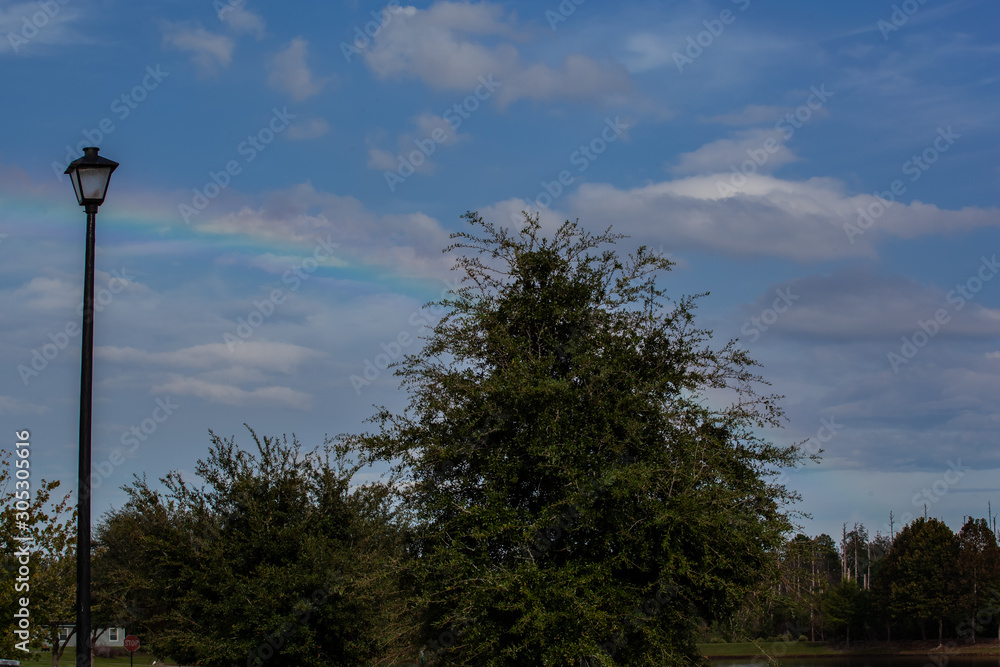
(290, 173)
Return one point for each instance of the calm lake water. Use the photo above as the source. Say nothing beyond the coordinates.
(930, 660)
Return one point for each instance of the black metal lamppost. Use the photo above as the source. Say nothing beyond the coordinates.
(90, 175)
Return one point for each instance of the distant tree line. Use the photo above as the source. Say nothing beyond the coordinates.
(923, 581)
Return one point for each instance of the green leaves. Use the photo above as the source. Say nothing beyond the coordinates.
(563, 467)
(275, 560)
(920, 571)
(50, 585)
(978, 570)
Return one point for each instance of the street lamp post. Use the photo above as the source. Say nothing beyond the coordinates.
(90, 175)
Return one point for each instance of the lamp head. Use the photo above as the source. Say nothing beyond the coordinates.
(90, 175)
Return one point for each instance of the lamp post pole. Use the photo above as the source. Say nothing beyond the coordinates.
(86, 397)
(90, 175)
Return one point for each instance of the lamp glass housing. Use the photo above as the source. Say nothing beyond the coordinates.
(90, 176)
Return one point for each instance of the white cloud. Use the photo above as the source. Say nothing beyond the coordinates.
(290, 73)
(734, 57)
(762, 217)
(765, 148)
(59, 291)
(15, 406)
(647, 51)
(428, 124)
(305, 129)
(271, 263)
(435, 46)
(26, 33)
(752, 114)
(230, 395)
(408, 243)
(431, 131)
(220, 371)
(857, 304)
(44, 293)
(242, 21)
(380, 159)
(211, 52)
(266, 355)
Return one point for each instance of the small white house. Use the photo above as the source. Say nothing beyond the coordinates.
(110, 636)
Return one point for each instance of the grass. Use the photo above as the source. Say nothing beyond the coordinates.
(715, 650)
(69, 659)
(799, 649)
(770, 648)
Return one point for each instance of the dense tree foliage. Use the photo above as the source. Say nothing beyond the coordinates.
(920, 569)
(809, 568)
(50, 585)
(844, 606)
(978, 569)
(924, 580)
(576, 497)
(275, 559)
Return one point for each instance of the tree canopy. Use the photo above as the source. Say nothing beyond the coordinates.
(978, 569)
(584, 472)
(920, 572)
(275, 559)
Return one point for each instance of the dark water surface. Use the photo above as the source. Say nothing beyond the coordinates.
(938, 659)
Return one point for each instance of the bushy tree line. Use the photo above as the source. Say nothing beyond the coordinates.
(925, 580)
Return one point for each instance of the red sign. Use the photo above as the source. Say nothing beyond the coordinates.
(132, 643)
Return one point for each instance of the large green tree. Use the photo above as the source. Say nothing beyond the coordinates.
(978, 569)
(919, 573)
(584, 471)
(843, 606)
(276, 559)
